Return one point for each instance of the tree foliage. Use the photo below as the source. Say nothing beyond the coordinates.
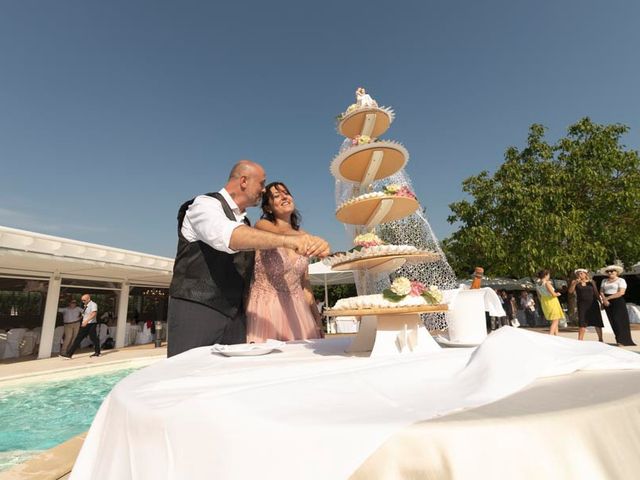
(572, 204)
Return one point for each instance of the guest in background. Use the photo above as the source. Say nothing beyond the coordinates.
(612, 290)
(549, 301)
(528, 305)
(87, 328)
(507, 306)
(587, 302)
(71, 316)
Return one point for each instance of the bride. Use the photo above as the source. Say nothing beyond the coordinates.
(281, 304)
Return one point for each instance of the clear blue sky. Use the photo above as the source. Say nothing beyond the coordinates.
(114, 112)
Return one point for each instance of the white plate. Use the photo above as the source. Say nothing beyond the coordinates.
(246, 349)
(448, 343)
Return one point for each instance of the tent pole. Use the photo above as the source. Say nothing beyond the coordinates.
(326, 293)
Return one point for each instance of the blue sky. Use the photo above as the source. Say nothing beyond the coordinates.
(113, 113)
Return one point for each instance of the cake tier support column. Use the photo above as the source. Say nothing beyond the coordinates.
(372, 169)
(392, 335)
(368, 124)
(379, 213)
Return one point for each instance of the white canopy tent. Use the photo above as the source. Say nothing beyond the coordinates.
(35, 256)
(505, 283)
(321, 274)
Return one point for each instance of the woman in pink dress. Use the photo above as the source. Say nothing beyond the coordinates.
(281, 304)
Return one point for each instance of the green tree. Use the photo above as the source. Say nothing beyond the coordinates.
(572, 204)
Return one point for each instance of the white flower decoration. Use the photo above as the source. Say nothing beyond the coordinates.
(401, 286)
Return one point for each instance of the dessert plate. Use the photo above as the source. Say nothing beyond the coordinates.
(448, 343)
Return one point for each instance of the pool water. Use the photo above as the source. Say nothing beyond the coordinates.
(40, 416)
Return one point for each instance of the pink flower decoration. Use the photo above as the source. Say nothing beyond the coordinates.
(405, 192)
(417, 288)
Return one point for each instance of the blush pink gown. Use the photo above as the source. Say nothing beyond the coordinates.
(276, 307)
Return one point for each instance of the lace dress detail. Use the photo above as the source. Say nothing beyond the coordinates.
(277, 308)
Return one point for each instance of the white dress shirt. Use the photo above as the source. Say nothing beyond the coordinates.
(206, 221)
(88, 309)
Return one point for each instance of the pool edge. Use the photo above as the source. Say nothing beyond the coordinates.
(53, 464)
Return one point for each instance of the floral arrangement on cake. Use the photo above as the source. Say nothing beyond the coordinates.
(403, 287)
(369, 239)
(361, 140)
(398, 190)
(393, 190)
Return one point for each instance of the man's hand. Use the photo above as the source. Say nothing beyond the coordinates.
(308, 245)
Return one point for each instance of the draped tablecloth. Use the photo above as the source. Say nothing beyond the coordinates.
(310, 411)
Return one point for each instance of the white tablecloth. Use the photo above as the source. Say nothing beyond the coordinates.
(308, 411)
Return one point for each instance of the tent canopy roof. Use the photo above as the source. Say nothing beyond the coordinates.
(28, 253)
(321, 274)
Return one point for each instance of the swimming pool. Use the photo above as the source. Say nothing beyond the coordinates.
(39, 416)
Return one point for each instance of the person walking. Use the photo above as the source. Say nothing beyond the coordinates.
(587, 302)
(71, 316)
(87, 328)
(549, 301)
(612, 290)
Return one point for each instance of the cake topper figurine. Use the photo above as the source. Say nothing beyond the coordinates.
(363, 99)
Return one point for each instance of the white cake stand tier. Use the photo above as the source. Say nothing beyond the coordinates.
(391, 331)
(371, 121)
(366, 163)
(373, 211)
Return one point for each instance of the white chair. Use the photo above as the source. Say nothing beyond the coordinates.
(103, 333)
(3, 343)
(14, 337)
(28, 343)
(130, 335)
(144, 336)
(38, 333)
(58, 332)
(112, 332)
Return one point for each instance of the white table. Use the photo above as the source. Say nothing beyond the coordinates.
(312, 412)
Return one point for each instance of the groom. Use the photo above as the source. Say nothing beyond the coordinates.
(214, 261)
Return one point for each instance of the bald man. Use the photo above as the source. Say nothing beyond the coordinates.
(214, 261)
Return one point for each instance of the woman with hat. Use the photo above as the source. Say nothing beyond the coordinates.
(587, 299)
(612, 290)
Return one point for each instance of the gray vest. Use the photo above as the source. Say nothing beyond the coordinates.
(208, 276)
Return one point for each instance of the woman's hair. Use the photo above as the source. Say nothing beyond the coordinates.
(543, 273)
(296, 219)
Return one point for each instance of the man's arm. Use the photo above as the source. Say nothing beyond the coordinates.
(247, 238)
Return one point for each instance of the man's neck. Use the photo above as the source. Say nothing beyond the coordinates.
(236, 197)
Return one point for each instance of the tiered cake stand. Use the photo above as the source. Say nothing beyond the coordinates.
(383, 331)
